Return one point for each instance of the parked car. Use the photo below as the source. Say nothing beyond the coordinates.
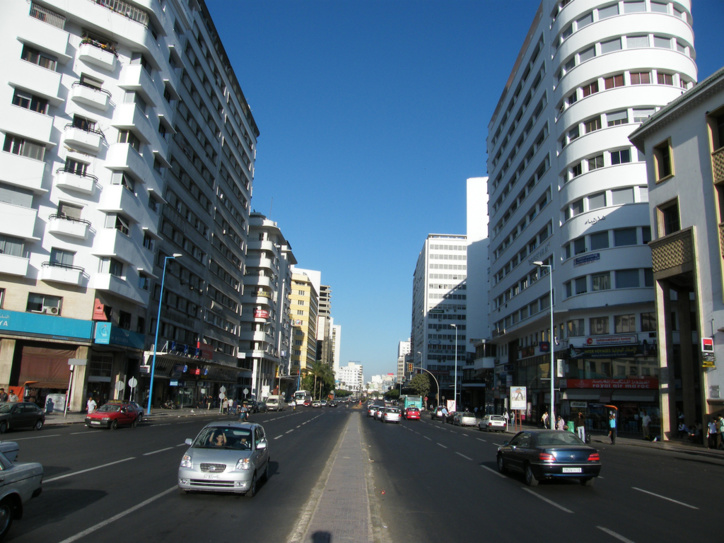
(372, 409)
(114, 414)
(436, 414)
(316, 403)
(495, 423)
(225, 457)
(549, 454)
(20, 482)
(15, 415)
(412, 413)
(262, 407)
(464, 418)
(390, 414)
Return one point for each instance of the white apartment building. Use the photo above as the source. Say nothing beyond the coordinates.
(568, 189)
(404, 348)
(439, 303)
(351, 377)
(684, 147)
(126, 140)
(265, 328)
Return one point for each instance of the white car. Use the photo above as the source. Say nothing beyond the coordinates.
(18, 484)
(390, 414)
(495, 423)
(465, 418)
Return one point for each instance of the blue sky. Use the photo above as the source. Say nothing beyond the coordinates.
(372, 116)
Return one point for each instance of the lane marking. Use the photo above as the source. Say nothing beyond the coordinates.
(120, 515)
(465, 457)
(494, 472)
(665, 498)
(551, 502)
(443, 446)
(289, 431)
(59, 477)
(41, 437)
(278, 437)
(614, 534)
(428, 438)
(483, 440)
(158, 451)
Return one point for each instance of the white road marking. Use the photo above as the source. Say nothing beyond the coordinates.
(428, 438)
(494, 472)
(483, 440)
(289, 431)
(158, 451)
(465, 457)
(59, 477)
(443, 446)
(551, 502)
(664, 498)
(278, 437)
(120, 515)
(614, 534)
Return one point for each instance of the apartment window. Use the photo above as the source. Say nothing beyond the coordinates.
(599, 326)
(640, 115)
(616, 118)
(680, 47)
(139, 58)
(126, 136)
(573, 133)
(716, 121)
(586, 54)
(601, 281)
(42, 303)
(144, 281)
(575, 328)
(584, 21)
(122, 178)
(61, 257)
(634, 6)
(91, 82)
(668, 218)
(627, 279)
(111, 266)
(148, 242)
(69, 211)
(624, 324)
(16, 196)
(637, 42)
(572, 98)
(576, 170)
(21, 146)
(30, 101)
(118, 221)
(608, 11)
(597, 201)
(648, 322)
(595, 162)
(567, 32)
(591, 125)
(134, 98)
(581, 285)
(577, 208)
(659, 7)
(12, 246)
(36, 57)
(640, 78)
(599, 240)
(76, 167)
(662, 43)
(610, 45)
(623, 196)
(613, 81)
(621, 156)
(591, 88)
(663, 161)
(579, 246)
(664, 79)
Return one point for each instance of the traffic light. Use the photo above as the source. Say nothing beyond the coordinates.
(409, 367)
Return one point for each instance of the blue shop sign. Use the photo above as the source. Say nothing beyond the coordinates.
(107, 334)
(47, 326)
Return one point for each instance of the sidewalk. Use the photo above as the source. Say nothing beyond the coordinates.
(76, 417)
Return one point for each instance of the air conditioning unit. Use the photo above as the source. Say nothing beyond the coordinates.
(51, 310)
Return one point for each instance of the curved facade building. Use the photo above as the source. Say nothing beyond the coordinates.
(567, 188)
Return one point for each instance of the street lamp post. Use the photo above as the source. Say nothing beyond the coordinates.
(435, 378)
(158, 325)
(455, 387)
(552, 418)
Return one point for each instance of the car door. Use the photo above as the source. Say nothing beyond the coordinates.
(260, 455)
(20, 416)
(519, 447)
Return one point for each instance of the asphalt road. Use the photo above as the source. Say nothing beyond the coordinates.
(430, 482)
(440, 483)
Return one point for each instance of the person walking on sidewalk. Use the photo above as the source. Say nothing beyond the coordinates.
(580, 425)
(645, 424)
(712, 434)
(544, 419)
(612, 428)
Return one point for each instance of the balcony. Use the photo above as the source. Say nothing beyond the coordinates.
(27, 123)
(84, 140)
(45, 36)
(717, 163)
(61, 225)
(14, 265)
(18, 221)
(26, 75)
(90, 96)
(113, 243)
(22, 171)
(118, 286)
(84, 183)
(130, 116)
(121, 156)
(61, 273)
(135, 78)
(117, 198)
(98, 54)
(673, 254)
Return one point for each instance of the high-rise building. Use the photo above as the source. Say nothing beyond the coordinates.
(126, 141)
(303, 313)
(403, 354)
(568, 191)
(439, 298)
(351, 377)
(325, 322)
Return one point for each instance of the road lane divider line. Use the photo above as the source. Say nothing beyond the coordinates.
(550, 502)
(461, 454)
(443, 446)
(278, 437)
(480, 439)
(428, 438)
(289, 431)
(158, 451)
(614, 534)
(493, 472)
(41, 437)
(59, 477)
(665, 498)
(120, 515)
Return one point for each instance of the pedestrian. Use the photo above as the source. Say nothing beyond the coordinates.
(507, 418)
(544, 419)
(444, 414)
(476, 411)
(3, 395)
(612, 428)
(13, 397)
(580, 425)
(91, 405)
(712, 434)
(720, 421)
(560, 423)
(225, 406)
(645, 424)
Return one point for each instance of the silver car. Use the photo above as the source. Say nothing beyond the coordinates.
(390, 414)
(18, 484)
(495, 423)
(226, 456)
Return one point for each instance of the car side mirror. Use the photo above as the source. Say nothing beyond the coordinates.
(261, 445)
(188, 441)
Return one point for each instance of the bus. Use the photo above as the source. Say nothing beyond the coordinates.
(411, 401)
(300, 396)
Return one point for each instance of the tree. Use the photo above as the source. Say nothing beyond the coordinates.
(393, 394)
(420, 383)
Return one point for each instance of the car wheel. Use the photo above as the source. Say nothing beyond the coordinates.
(530, 479)
(38, 425)
(114, 425)
(501, 464)
(6, 517)
(252, 487)
(3, 427)
(587, 482)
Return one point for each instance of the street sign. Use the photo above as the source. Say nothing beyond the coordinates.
(120, 386)
(77, 361)
(132, 382)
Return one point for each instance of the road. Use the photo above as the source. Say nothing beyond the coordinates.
(429, 482)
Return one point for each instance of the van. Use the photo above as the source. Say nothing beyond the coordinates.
(275, 403)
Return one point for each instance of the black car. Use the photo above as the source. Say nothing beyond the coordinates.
(549, 454)
(15, 415)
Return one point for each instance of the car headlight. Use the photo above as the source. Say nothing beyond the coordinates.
(186, 461)
(106, 418)
(243, 463)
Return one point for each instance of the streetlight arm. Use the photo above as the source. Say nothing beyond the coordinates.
(435, 378)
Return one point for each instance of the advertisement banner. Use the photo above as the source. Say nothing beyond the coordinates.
(518, 398)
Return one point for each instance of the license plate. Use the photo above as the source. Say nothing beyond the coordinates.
(210, 476)
(572, 470)
(95, 423)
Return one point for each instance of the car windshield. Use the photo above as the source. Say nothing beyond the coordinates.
(553, 439)
(393, 410)
(468, 414)
(109, 408)
(496, 417)
(217, 437)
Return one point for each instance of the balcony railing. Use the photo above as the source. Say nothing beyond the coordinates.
(126, 9)
(47, 16)
(673, 254)
(73, 172)
(717, 159)
(67, 218)
(100, 45)
(97, 89)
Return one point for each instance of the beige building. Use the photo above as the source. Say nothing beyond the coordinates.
(303, 313)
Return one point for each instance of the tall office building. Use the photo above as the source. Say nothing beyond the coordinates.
(303, 313)
(403, 354)
(439, 299)
(568, 190)
(325, 322)
(126, 141)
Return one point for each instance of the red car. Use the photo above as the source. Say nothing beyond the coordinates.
(115, 414)
(412, 413)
